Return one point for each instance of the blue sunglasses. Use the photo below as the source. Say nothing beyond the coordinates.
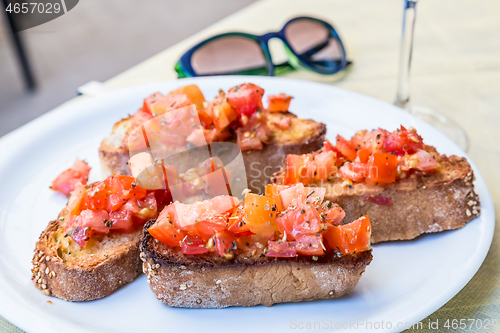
(310, 44)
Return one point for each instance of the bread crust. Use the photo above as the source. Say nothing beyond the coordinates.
(211, 282)
(445, 200)
(303, 136)
(88, 278)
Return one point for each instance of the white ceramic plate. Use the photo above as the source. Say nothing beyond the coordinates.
(406, 281)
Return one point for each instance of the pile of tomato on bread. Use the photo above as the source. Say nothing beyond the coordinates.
(376, 156)
(406, 187)
(286, 222)
(240, 112)
(116, 205)
(92, 248)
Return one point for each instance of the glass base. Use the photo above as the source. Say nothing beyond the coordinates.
(444, 124)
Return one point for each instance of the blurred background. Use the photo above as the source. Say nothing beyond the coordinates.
(97, 41)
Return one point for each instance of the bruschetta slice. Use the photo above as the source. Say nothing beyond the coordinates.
(92, 248)
(405, 186)
(284, 246)
(237, 116)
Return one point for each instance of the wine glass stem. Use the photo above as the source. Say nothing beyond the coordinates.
(409, 16)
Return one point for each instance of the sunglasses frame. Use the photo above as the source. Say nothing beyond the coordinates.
(295, 61)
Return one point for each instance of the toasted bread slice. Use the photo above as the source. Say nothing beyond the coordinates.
(210, 281)
(303, 136)
(64, 270)
(443, 200)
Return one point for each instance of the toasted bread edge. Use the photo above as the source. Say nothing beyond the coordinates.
(76, 283)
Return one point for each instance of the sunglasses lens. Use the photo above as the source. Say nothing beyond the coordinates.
(230, 55)
(313, 41)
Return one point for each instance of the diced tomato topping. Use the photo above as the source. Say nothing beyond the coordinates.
(142, 209)
(197, 137)
(150, 101)
(115, 201)
(346, 148)
(97, 197)
(382, 168)
(89, 222)
(350, 238)
(363, 155)
(290, 193)
(272, 191)
(300, 218)
(97, 220)
(169, 103)
(193, 92)
(125, 186)
(214, 135)
(334, 215)
(279, 103)
(327, 146)
(67, 180)
(354, 171)
(214, 177)
(163, 197)
(148, 206)
(310, 245)
(222, 204)
(325, 165)
(80, 235)
(281, 250)
(425, 161)
(184, 215)
(140, 117)
(296, 169)
(116, 204)
(370, 140)
(246, 98)
(403, 142)
(298, 190)
(260, 214)
(205, 119)
(121, 222)
(225, 242)
(223, 115)
(314, 193)
(250, 226)
(377, 156)
(164, 231)
(236, 223)
(76, 198)
(254, 133)
(208, 227)
(239, 112)
(174, 126)
(193, 245)
(309, 168)
(243, 233)
(246, 140)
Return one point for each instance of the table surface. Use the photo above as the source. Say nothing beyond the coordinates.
(456, 70)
